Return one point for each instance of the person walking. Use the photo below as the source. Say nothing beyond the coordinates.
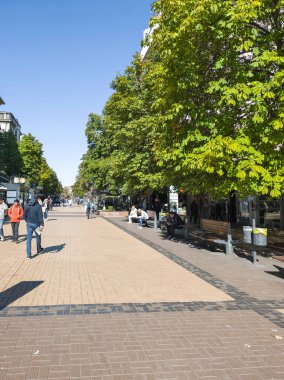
(3, 213)
(45, 205)
(15, 213)
(34, 219)
(157, 207)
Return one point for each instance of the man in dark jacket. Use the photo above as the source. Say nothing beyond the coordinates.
(34, 219)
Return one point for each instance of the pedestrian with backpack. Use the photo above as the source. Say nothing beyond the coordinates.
(15, 213)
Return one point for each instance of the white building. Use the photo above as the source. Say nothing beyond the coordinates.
(147, 34)
(8, 123)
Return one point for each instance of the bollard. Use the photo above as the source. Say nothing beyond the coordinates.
(254, 257)
(186, 229)
(155, 220)
(229, 245)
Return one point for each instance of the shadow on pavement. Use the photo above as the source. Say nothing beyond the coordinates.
(10, 295)
(279, 273)
(54, 248)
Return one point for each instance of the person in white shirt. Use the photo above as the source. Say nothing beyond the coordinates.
(142, 216)
(3, 213)
(133, 214)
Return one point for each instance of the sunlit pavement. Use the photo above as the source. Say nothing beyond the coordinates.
(109, 301)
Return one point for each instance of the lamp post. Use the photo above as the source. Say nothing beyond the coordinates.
(21, 181)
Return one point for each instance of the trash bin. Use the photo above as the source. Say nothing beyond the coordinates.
(260, 236)
(247, 234)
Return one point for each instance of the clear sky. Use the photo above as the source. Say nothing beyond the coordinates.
(58, 58)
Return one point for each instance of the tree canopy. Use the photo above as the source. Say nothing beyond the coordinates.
(10, 159)
(203, 111)
(35, 168)
(221, 94)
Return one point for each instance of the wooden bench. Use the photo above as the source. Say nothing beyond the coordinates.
(213, 233)
(179, 232)
(216, 227)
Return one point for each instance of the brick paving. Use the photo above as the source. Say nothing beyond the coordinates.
(110, 301)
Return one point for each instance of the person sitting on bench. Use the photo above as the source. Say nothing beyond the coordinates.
(133, 214)
(142, 217)
(174, 221)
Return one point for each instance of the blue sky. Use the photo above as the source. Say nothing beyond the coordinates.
(58, 58)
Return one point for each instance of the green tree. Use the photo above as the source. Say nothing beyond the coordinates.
(10, 159)
(32, 156)
(120, 155)
(220, 86)
(35, 167)
(48, 180)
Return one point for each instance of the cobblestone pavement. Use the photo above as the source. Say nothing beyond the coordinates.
(110, 301)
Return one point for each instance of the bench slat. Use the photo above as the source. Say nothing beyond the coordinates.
(215, 226)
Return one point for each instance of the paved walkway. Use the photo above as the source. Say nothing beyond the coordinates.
(110, 301)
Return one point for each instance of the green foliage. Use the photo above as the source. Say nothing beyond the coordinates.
(32, 153)
(48, 180)
(221, 63)
(204, 112)
(120, 155)
(35, 168)
(10, 159)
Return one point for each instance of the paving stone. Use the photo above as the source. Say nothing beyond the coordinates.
(153, 310)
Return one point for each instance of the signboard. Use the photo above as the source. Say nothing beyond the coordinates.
(11, 196)
(173, 199)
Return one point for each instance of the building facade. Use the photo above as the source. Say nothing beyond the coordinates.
(8, 123)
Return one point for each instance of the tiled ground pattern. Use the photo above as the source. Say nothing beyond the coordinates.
(238, 339)
(188, 345)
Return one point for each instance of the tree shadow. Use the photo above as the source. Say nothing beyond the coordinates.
(279, 273)
(17, 291)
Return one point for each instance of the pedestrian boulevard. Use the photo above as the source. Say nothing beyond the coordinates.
(110, 301)
(92, 261)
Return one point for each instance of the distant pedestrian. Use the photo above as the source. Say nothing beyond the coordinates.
(219, 211)
(193, 211)
(34, 219)
(3, 213)
(15, 213)
(50, 204)
(157, 207)
(46, 208)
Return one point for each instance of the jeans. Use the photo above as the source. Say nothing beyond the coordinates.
(1, 228)
(140, 221)
(15, 230)
(31, 227)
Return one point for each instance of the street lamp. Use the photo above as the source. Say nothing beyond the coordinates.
(20, 180)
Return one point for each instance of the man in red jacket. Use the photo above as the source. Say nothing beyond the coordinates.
(15, 213)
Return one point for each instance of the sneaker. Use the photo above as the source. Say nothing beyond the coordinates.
(2, 239)
(41, 250)
(28, 257)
